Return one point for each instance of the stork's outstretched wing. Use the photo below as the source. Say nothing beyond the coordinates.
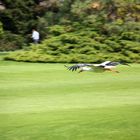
(104, 63)
(77, 66)
(116, 63)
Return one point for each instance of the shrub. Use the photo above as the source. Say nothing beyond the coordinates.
(11, 42)
(57, 30)
(1, 29)
(130, 36)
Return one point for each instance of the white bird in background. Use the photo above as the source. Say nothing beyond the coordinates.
(105, 66)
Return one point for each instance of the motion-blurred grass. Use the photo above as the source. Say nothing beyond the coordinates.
(47, 102)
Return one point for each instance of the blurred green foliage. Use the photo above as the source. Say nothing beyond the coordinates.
(78, 31)
(1, 29)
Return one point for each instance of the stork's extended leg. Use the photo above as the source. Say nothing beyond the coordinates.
(112, 70)
(115, 71)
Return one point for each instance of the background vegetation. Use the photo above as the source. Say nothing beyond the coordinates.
(72, 30)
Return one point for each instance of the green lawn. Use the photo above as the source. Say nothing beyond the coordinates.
(47, 102)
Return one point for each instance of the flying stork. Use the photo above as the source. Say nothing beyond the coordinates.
(105, 66)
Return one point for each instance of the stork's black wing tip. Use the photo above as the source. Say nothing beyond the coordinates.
(66, 66)
(71, 68)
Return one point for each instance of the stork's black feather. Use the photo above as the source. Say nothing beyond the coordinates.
(116, 63)
(77, 66)
(113, 63)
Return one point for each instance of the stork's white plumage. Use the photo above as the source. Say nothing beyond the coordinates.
(104, 66)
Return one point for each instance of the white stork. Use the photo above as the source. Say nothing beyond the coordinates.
(105, 66)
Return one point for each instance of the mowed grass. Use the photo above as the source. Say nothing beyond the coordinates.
(47, 102)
